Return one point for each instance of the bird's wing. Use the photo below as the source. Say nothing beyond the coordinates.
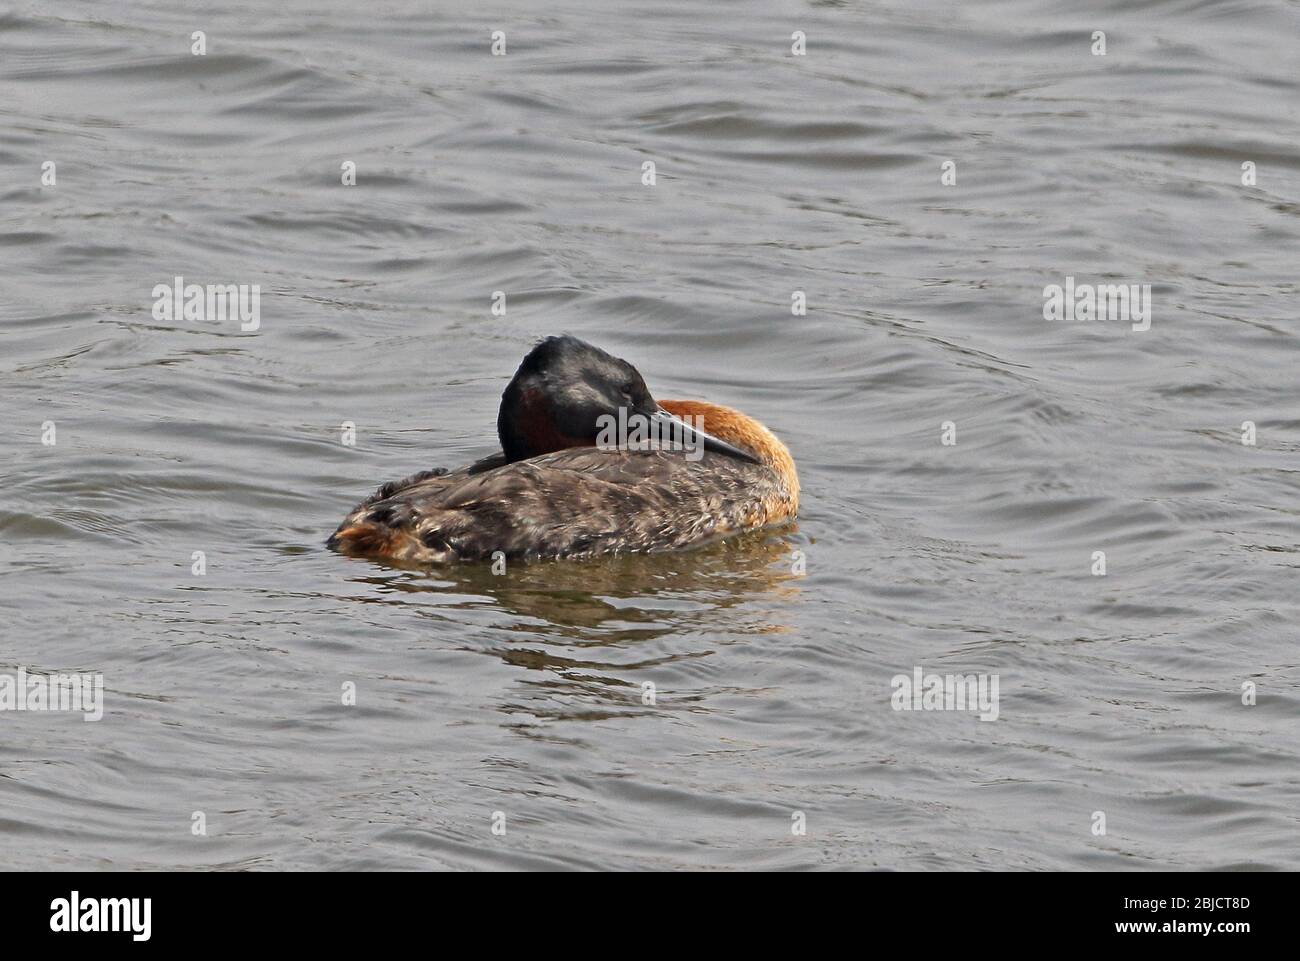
(570, 503)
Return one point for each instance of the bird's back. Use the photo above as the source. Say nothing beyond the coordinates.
(578, 502)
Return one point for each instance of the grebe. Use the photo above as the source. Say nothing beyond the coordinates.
(551, 493)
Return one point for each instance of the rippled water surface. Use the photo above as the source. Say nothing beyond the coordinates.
(776, 173)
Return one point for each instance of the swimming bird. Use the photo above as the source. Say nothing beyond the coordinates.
(590, 464)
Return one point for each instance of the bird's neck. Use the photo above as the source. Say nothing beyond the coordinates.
(726, 423)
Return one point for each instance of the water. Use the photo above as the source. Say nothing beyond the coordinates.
(775, 173)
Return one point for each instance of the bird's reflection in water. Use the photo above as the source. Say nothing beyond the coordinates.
(595, 628)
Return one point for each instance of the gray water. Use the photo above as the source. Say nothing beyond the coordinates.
(522, 694)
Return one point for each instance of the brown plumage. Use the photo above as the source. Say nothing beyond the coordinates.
(534, 501)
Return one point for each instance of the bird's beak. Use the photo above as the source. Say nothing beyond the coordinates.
(692, 437)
